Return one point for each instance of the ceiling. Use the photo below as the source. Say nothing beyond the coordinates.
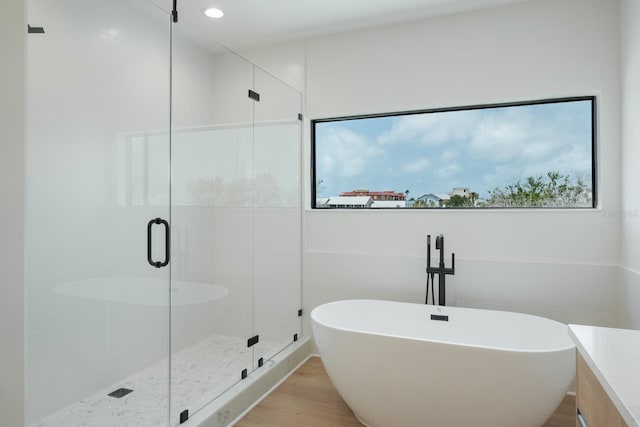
(250, 23)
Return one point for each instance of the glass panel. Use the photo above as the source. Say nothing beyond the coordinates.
(277, 221)
(98, 162)
(212, 163)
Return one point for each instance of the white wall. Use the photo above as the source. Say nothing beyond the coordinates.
(285, 61)
(12, 116)
(629, 298)
(560, 264)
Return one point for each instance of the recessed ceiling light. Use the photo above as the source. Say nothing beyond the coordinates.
(212, 12)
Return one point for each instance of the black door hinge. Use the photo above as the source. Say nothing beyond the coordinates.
(300, 313)
(184, 416)
(300, 116)
(35, 30)
(174, 12)
(254, 95)
(253, 340)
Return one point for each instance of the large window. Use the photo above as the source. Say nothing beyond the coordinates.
(538, 154)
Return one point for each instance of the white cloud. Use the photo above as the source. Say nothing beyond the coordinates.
(345, 153)
(573, 159)
(448, 170)
(538, 150)
(501, 137)
(449, 154)
(430, 129)
(418, 166)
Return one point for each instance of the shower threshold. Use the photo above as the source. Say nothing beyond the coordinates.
(200, 373)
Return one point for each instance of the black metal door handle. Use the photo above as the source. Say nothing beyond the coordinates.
(167, 243)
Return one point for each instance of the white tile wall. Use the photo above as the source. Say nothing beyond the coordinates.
(568, 293)
(629, 299)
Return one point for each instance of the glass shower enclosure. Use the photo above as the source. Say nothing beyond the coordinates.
(163, 216)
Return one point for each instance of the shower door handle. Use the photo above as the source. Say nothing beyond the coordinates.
(167, 243)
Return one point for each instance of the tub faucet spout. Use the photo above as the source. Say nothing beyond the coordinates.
(440, 270)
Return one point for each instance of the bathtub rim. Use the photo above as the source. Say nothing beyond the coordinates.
(570, 344)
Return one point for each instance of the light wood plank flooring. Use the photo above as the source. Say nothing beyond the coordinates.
(308, 398)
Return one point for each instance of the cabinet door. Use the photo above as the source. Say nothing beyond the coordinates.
(593, 402)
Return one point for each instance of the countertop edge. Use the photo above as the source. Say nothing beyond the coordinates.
(622, 408)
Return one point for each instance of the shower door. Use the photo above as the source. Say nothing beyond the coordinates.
(212, 191)
(98, 294)
(277, 222)
(148, 141)
(235, 155)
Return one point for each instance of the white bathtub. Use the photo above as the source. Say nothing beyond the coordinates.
(394, 366)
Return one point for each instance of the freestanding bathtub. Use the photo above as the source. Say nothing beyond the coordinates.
(415, 365)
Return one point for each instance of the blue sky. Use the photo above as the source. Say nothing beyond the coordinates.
(433, 152)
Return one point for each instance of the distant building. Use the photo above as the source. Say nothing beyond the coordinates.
(375, 195)
(461, 191)
(431, 200)
(389, 204)
(355, 202)
(363, 199)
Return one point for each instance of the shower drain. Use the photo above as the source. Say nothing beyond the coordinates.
(120, 392)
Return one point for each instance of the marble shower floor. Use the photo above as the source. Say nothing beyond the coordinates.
(200, 373)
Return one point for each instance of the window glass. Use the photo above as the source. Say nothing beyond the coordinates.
(516, 155)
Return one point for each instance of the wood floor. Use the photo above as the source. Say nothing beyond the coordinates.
(307, 398)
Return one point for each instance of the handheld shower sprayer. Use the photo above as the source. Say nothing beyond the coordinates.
(441, 270)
